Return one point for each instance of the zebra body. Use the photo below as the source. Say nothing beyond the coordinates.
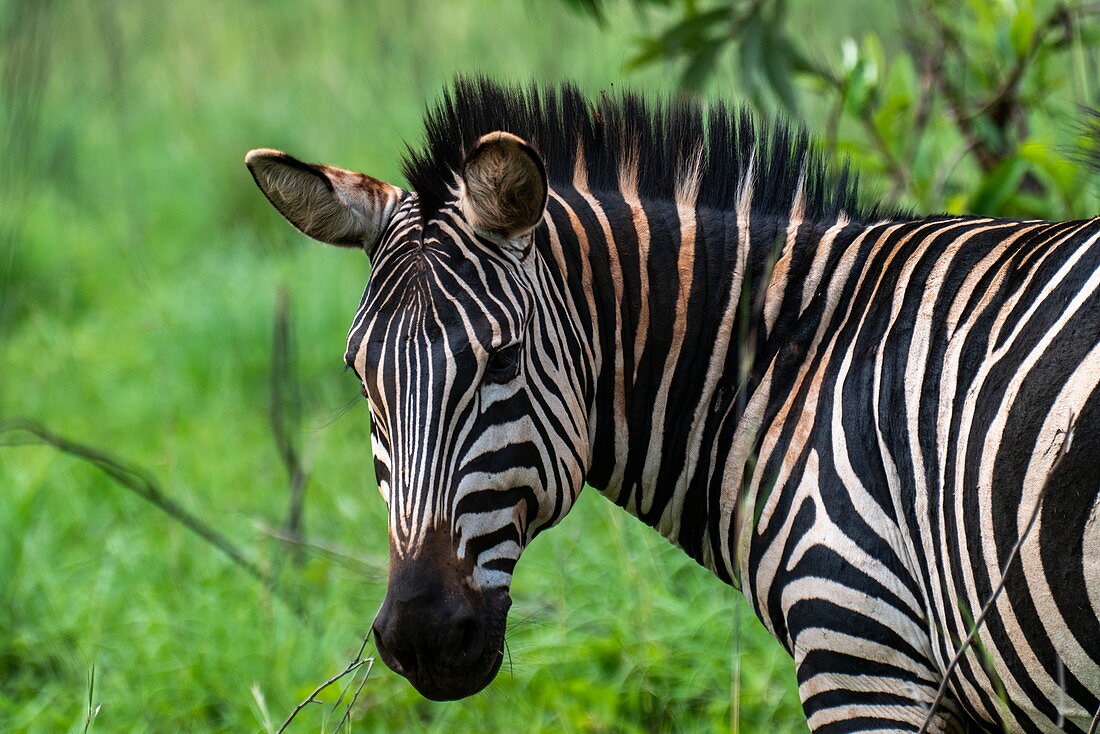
(906, 455)
(850, 415)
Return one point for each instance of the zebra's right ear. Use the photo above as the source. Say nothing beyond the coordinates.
(504, 186)
(329, 204)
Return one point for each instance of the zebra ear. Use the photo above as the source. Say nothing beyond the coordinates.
(504, 186)
(329, 204)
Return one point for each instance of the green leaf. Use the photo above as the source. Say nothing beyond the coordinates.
(876, 57)
(779, 70)
(858, 93)
(1062, 172)
(688, 37)
(593, 8)
(693, 29)
(702, 63)
(1029, 206)
(751, 57)
(651, 52)
(998, 187)
(1022, 30)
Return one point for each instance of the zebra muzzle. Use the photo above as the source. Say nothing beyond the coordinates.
(437, 631)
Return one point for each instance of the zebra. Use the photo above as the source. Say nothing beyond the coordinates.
(858, 417)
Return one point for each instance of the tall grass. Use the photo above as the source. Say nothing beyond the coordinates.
(138, 277)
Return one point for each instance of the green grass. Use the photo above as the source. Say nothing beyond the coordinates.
(138, 274)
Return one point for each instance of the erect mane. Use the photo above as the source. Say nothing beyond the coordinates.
(661, 138)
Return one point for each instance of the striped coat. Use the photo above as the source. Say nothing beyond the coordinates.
(874, 424)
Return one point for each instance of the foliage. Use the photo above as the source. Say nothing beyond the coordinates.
(969, 107)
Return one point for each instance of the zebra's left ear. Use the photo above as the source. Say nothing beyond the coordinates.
(504, 186)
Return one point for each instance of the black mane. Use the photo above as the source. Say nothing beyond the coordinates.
(663, 135)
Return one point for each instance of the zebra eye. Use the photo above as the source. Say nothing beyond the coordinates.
(503, 364)
(362, 383)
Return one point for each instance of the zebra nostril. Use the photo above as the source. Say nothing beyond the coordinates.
(462, 638)
(392, 655)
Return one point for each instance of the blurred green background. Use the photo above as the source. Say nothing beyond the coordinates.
(139, 273)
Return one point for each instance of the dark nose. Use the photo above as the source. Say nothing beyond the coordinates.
(421, 629)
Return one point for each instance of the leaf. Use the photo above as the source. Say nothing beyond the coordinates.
(779, 70)
(693, 29)
(1028, 206)
(751, 57)
(1061, 171)
(871, 49)
(702, 64)
(688, 37)
(956, 205)
(893, 118)
(998, 187)
(593, 8)
(651, 52)
(1022, 30)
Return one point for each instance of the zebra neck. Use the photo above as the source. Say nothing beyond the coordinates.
(678, 320)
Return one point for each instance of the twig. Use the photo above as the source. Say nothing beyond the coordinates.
(1063, 449)
(145, 486)
(353, 665)
(1095, 723)
(346, 557)
(949, 168)
(1008, 87)
(953, 47)
(898, 170)
(354, 698)
(929, 64)
(286, 412)
(370, 667)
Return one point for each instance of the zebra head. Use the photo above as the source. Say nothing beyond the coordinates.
(479, 435)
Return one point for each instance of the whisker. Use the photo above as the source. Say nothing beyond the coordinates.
(339, 414)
